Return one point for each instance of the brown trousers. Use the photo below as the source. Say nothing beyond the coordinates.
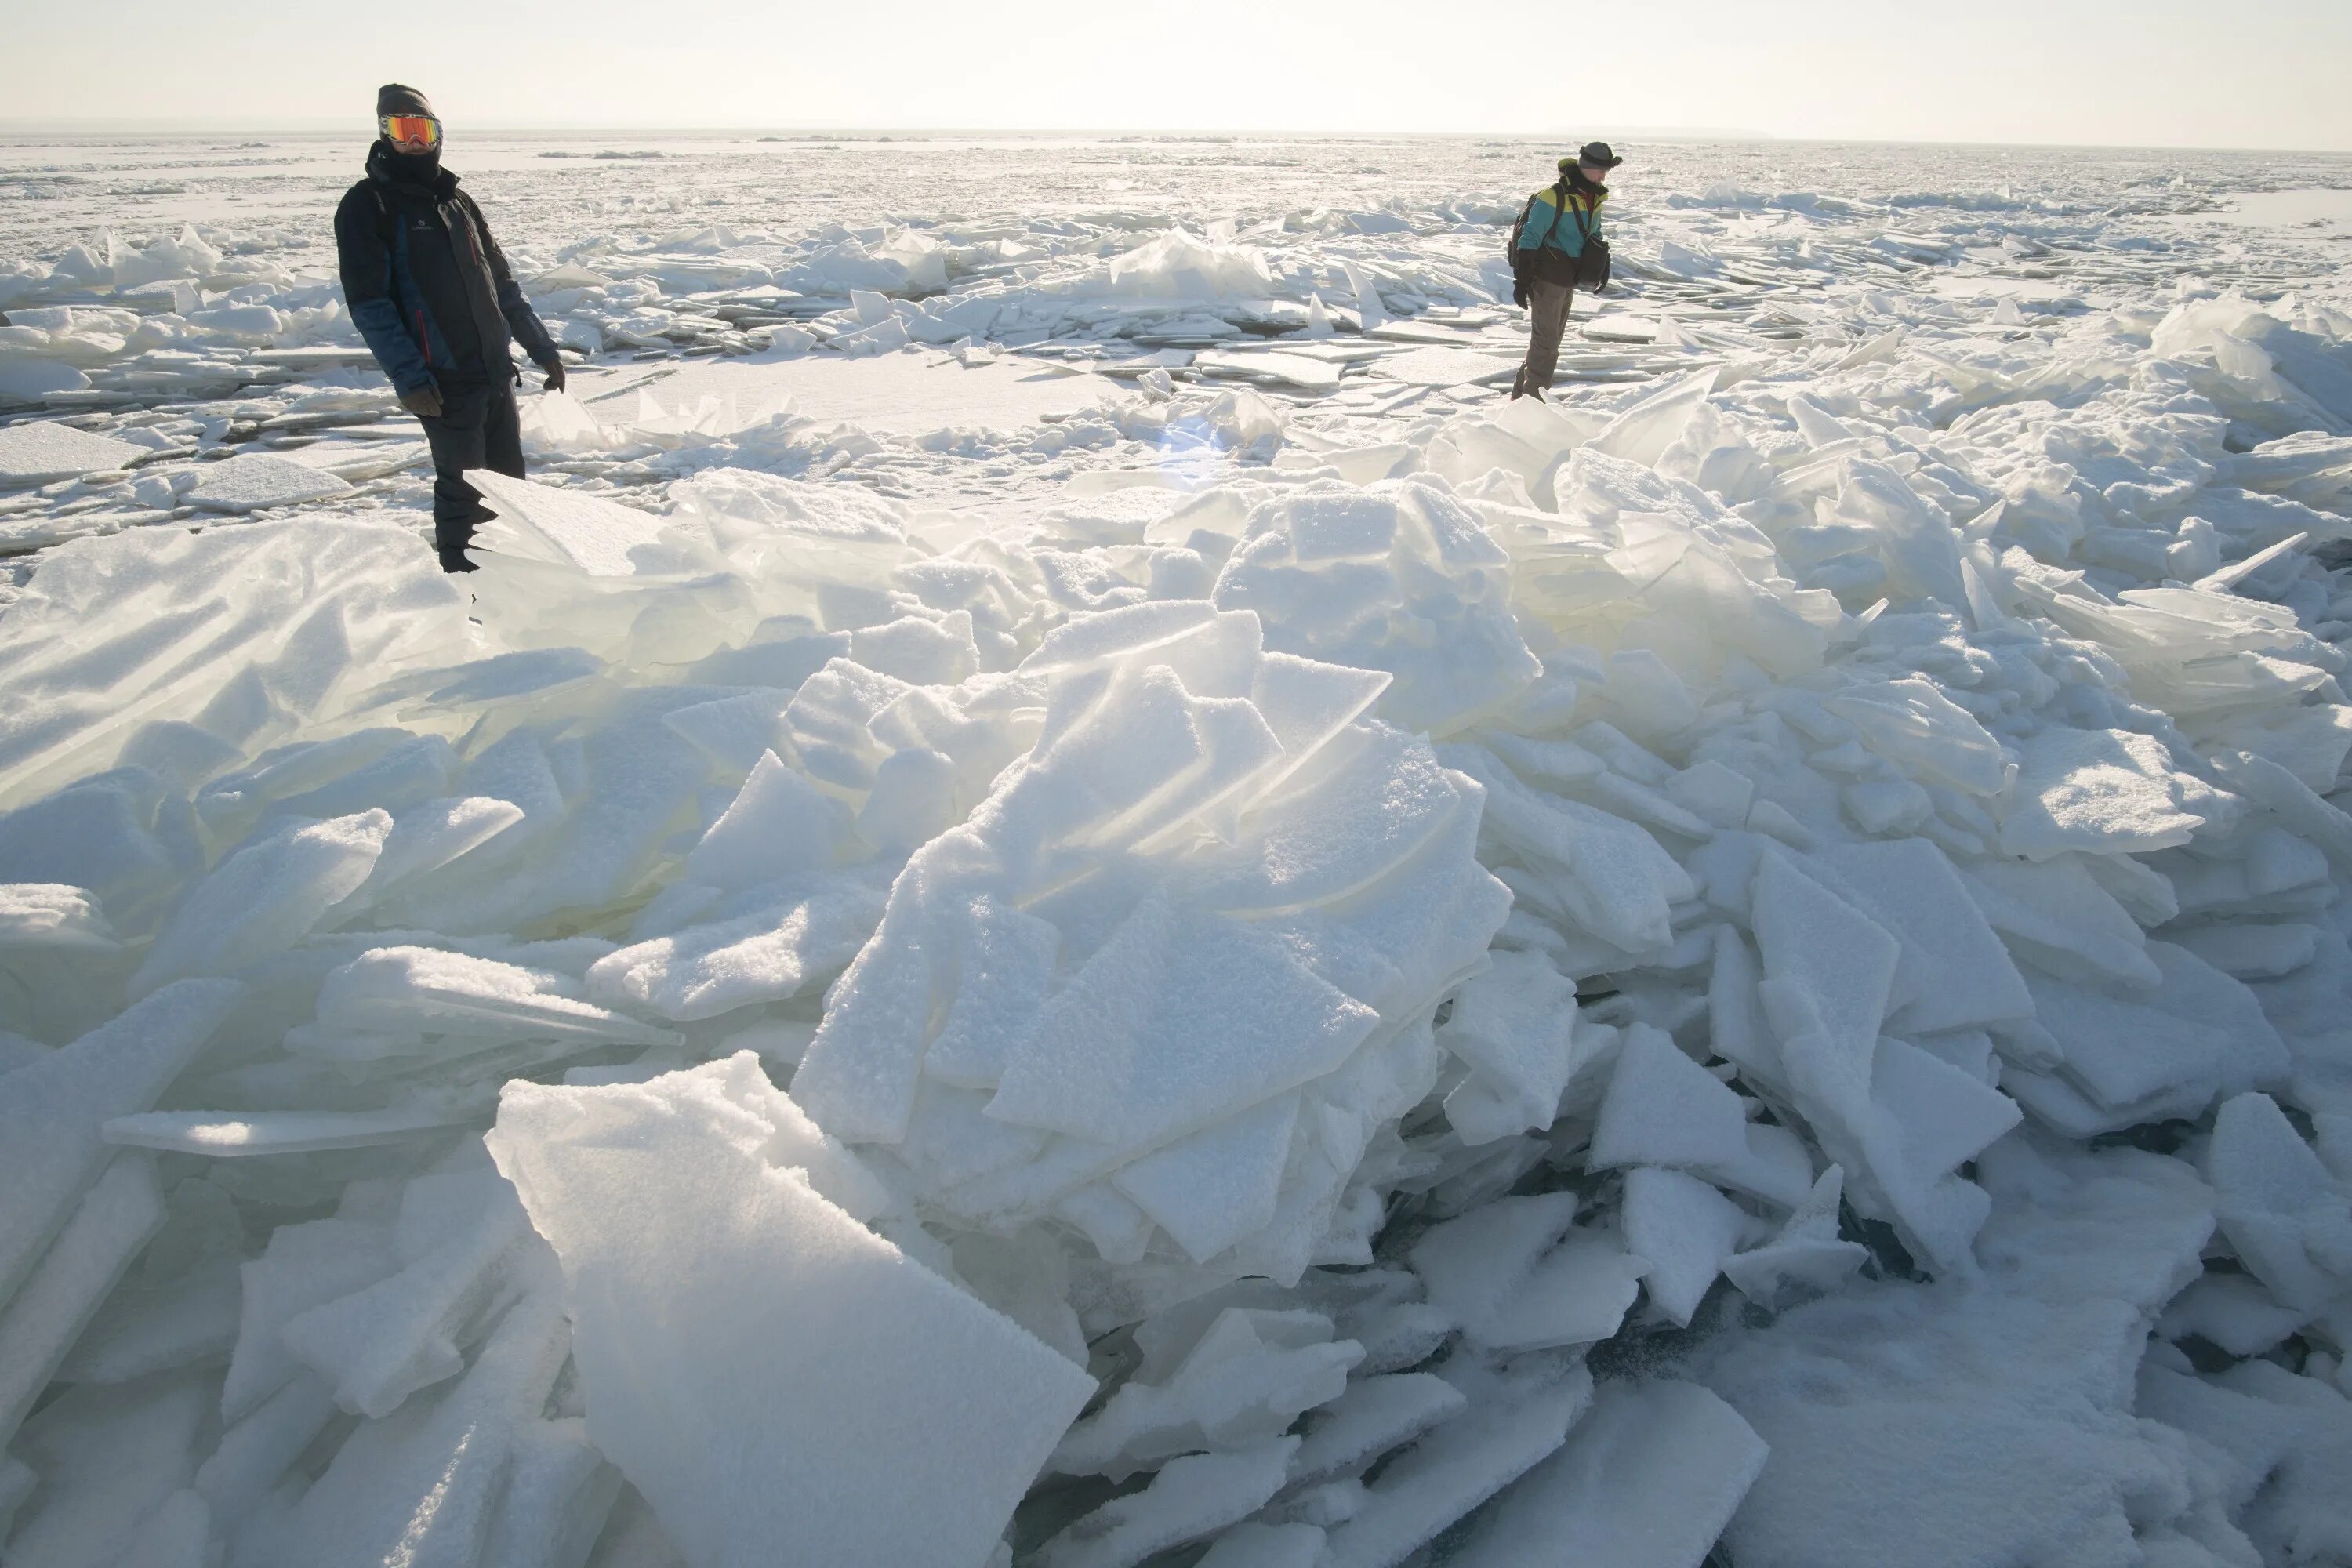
(1546, 324)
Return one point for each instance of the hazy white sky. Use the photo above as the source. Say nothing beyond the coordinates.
(2256, 73)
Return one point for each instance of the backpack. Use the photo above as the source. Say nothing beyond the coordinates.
(1511, 246)
(1591, 262)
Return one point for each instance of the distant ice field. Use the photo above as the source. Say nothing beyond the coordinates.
(707, 245)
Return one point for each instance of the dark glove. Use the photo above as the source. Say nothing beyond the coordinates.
(554, 369)
(424, 401)
(1519, 291)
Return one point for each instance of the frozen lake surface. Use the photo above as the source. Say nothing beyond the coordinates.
(1062, 899)
(2327, 208)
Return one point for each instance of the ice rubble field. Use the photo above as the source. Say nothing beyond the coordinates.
(1288, 964)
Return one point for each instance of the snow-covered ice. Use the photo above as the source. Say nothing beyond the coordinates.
(1061, 898)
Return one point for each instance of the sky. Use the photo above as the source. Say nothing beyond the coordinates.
(2255, 73)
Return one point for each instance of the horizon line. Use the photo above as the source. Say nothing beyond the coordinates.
(159, 126)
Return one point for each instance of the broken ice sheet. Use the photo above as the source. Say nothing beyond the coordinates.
(743, 1426)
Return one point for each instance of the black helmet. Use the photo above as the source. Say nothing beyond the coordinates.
(1596, 153)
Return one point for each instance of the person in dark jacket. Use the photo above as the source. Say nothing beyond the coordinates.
(432, 294)
(1553, 230)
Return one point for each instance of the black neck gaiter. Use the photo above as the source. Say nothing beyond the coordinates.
(412, 168)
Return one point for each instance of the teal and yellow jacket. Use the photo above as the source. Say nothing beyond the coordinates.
(1547, 225)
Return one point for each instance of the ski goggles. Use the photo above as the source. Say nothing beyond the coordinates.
(410, 132)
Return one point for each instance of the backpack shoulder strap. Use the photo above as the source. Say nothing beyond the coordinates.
(1558, 207)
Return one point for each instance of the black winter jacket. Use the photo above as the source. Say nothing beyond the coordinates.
(426, 284)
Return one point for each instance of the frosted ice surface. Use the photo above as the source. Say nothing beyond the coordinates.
(1684, 1229)
(1953, 971)
(251, 482)
(735, 731)
(1805, 1255)
(40, 451)
(1242, 1384)
(430, 835)
(35, 381)
(1176, 1020)
(1515, 1277)
(791, 935)
(2129, 1058)
(1575, 1294)
(1516, 1025)
(266, 896)
(1663, 1109)
(304, 1265)
(537, 522)
(1006, 966)
(178, 1534)
(2055, 914)
(1366, 578)
(1444, 366)
(1609, 874)
(107, 1460)
(2258, 1057)
(1211, 1189)
(2107, 791)
(1642, 433)
(1257, 1545)
(2233, 1310)
(2283, 1211)
(464, 1250)
(744, 1424)
(1647, 1479)
(2004, 1381)
(1947, 1116)
(1368, 804)
(1374, 1416)
(116, 1215)
(1454, 1469)
(1188, 1497)
(232, 801)
(444, 1476)
(1834, 967)
(50, 1146)
(1472, 1264)
(1777, 1164)
(146, 1328)
(778, 824)
(2294, 802)
(918, 649)
(1370, 310)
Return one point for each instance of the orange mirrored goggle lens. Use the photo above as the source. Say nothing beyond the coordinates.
(411, 130)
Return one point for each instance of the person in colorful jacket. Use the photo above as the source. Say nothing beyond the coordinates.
(1552, 232)
(432, 294)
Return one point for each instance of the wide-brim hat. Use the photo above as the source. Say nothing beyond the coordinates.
(1598, 155)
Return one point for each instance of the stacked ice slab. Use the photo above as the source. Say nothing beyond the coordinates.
(1545, 1010)
(1171, 980)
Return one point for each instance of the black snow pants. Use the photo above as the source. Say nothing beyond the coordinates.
(478, 428)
